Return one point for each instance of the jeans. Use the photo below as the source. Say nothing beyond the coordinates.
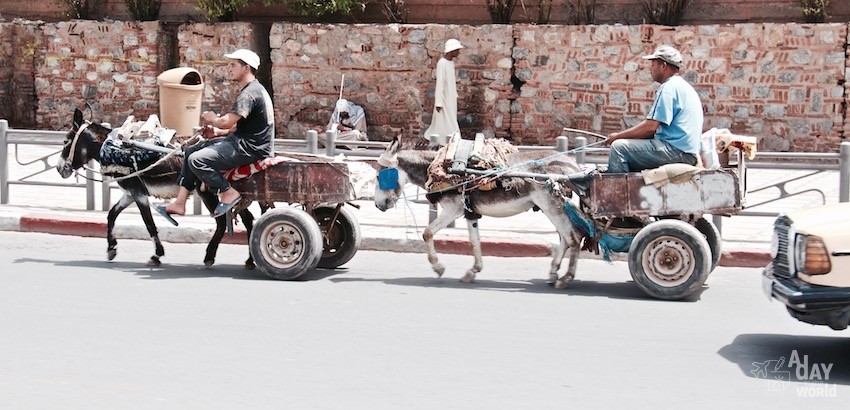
(632, 155)
(204, 162)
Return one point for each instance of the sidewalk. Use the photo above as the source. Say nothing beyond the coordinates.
(746, 239)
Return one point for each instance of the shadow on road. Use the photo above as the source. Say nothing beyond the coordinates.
(613, 290)
(791, 358)
(178, 271)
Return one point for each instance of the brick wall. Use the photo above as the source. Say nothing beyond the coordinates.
(783, 82)
(6, 39)
(28, 46)
(202, 46)
(110, 65)
(389, 71)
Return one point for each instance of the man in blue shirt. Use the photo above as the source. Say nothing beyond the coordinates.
(672, 129)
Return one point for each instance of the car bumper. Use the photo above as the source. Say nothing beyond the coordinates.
(820, 305)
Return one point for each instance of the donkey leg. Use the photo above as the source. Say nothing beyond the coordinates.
(210, 202)
(570, 274)
(475, 241)
(557, 258)
(145, 210)
(112, 243)
(248, 220)
(451, 211)
(553, 209)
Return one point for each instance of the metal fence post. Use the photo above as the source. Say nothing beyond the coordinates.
(312, 139)
(581, 144)
(562, 143)
(4, 163)
(718, 222)
(844, 173)
(90, 187)
(330, 145)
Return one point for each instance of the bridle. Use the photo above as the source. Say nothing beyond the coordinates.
(74, 140)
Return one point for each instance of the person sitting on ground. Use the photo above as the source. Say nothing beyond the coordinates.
(348, 120)
(246, 134)
(671, 131)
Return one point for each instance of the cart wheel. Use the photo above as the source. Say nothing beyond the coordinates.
(285, 243)
(669, 259)
(341, 240)
(712, 236)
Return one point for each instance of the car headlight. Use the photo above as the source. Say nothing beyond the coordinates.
(812, 257)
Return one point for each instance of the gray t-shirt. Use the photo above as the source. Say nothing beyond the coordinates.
(255, 130)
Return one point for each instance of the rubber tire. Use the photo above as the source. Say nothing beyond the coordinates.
(712, 236)
(299, 246)
(685, 242)
(342, 241)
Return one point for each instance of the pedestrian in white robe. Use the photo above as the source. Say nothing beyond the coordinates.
(444, 118)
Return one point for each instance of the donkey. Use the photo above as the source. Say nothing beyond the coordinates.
(83, 143)
(523, 194)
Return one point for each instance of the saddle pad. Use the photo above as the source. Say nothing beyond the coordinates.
(244, 171)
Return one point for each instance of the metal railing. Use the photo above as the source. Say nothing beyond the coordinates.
(816, 162)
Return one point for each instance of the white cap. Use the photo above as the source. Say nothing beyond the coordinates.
(452, 45)
(667, 54)
(247, 56)
(342, 105)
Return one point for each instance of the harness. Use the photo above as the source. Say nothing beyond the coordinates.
(73, 141)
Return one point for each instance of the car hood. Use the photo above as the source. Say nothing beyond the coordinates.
(822, 220)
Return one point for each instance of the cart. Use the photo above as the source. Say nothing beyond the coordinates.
(673, 246)
(287, 242)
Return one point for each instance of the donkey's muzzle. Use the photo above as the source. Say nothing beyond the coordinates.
(65, 170)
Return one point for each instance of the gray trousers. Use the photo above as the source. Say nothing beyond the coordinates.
(204, 162)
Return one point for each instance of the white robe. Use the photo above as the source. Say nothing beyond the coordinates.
(444, 123)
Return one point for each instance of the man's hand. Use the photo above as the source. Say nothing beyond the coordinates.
(612, 137)
(209, 116)
(208, 132)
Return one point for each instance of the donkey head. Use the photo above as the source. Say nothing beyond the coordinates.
(82, 144)
(391, 179)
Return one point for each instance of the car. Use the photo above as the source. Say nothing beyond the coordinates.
(810, 267)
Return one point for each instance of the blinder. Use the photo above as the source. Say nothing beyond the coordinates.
(388, 179)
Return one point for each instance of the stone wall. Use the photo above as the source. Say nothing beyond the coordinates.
(111, 65)
(782, 82)
(389, 71)
(27, 47)
(6, 62)
(202, 46)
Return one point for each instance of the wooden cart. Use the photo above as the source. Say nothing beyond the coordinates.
(287, 242)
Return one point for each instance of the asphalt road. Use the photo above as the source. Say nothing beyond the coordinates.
(82, 333)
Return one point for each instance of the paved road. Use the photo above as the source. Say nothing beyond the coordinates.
(82, 333)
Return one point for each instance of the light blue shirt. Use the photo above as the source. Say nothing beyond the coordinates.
(679, 110)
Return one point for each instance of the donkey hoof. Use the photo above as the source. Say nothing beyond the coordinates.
(154, 261)
(562, 284)
(110, 254)
(209, 263)
(439, 269)
(468, 278)
(553, 277)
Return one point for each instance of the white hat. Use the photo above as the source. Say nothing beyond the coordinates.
(249, 57)
(667, 54)
(452, 45)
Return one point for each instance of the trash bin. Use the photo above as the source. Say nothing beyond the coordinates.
(180, 92)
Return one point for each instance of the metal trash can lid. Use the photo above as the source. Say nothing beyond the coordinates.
(186, 78)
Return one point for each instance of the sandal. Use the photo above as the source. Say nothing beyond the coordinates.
(223, 207)
(162, 211)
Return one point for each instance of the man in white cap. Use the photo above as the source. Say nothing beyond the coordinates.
(349, 121)
(672, 129)
(444, 118)
(248, 136)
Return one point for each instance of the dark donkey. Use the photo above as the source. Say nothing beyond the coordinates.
(83, 144)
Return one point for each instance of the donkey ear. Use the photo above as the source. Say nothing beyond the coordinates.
(78, 118)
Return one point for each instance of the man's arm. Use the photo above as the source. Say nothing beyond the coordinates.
(225, 124)
(440, 91)
(644, 130)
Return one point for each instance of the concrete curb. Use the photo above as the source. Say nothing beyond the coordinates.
(501, 247)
